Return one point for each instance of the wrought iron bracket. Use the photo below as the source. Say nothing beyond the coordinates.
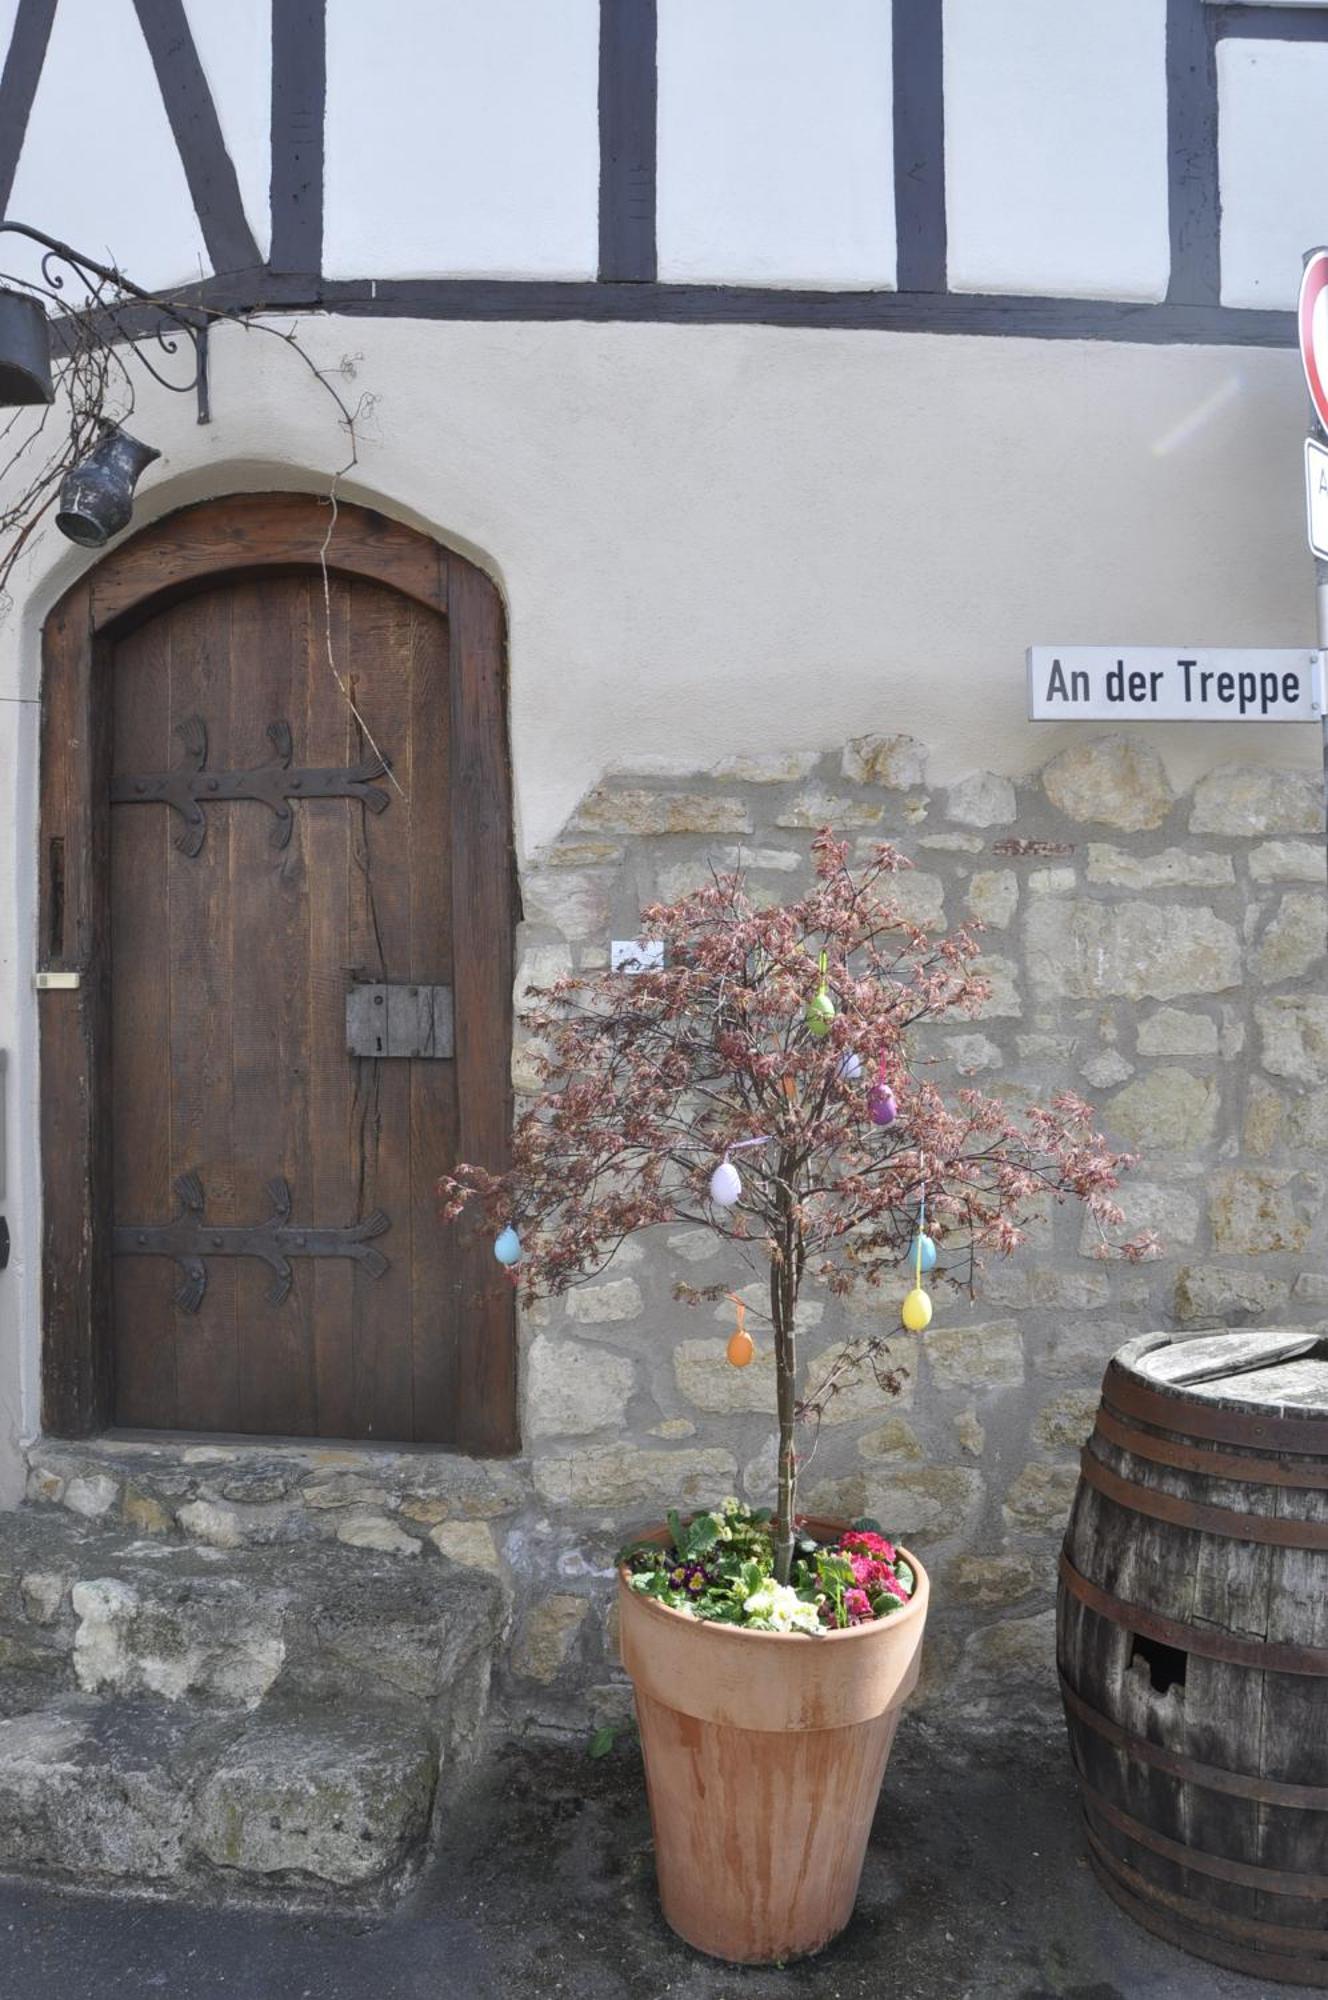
(191, 787)
(190, 1239)
(116, 295)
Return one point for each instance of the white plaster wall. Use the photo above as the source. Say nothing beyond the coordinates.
(1273, 164)
(714, 539)
(462, 139)
(234, 43)
(776, 142)
(1056, 147)
(123, 199)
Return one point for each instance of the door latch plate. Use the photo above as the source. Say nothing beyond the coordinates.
(399, 1020)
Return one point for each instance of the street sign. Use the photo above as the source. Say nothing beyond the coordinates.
(1316, 496)
(1312, 329)
(1174, 684)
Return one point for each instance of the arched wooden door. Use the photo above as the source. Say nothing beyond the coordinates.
(294, 967)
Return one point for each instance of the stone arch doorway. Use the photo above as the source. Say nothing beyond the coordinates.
(283, 884)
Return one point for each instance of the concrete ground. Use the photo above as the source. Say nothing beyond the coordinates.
(975, 1887)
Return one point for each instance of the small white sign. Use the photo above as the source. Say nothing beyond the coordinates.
(1174, 684)
(1316, 497)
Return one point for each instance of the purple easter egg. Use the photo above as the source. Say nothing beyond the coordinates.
(881, 1106)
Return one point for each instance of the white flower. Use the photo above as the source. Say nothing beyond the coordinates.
(776, 1607)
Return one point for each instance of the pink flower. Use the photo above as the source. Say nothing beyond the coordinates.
(858, 1606)
(870, 1544)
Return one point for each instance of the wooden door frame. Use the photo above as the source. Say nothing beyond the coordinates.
(199, 547)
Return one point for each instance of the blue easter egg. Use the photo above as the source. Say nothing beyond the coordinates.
(507, 1249)
(850, 1066)
(928, 1249)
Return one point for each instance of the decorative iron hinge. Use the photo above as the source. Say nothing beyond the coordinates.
(191, 787)
(191, 1240)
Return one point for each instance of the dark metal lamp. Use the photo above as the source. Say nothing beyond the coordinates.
(25, 351)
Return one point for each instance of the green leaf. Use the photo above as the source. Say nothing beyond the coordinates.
(602, 1742)
(702, 1535)
(867, 1524)
(676, 1529)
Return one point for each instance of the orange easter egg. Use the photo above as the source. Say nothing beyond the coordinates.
(741, 1348)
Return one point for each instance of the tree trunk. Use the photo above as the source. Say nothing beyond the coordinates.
(783, 1306)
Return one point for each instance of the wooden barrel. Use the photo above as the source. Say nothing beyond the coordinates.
(1192, 1641)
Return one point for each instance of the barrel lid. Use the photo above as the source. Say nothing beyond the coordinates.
(1274, 1369)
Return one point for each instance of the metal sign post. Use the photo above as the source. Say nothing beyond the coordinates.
(1312, 332)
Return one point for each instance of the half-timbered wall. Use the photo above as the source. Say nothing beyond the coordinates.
(995, 165)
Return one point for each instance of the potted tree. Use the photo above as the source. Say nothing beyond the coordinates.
(764, 1083)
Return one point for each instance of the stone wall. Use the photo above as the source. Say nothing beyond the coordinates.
(1164, 955)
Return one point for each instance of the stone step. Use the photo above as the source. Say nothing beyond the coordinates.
(266, 1720)
(140, 1794)
(98, 1607)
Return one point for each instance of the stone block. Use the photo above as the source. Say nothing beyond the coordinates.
(1307, 1122)
(88, 1792)
(1039, 1501)
(747, 860)
(41, 1593)
(1214, 1295)
(997, 1579)
(982, 798)
(971, 1433)
(860, 1393)
(1064, 1424)
(694, 1246)
(989, 1356)
(572, 1389)
(1130, 951)
(898, 762)
(366, 1530)
(894, 1439)
(176, 1636)
(1105, 1068)
(539, 966)
(916, 898)
(1173, 868)
(705, 1377)
(205, 1521)
(469, 1544)
(627, 1475)
(922, 1504)
(1254, 799)
(1002, 976)
(578, 905)
(608, 810)
(1294, 1032)
(1293, 942)
(817, 808)
(1171, 1211)
(1111, 781)
(993, 896)
(1288, 861)
(339, 1799)
(1262, 1127)
(1257, 1212)
(91, 1496)
(1168, 1110)
(971, 1054)
(604, 1305)
(1173, 1032)
(766, 767)
(1082, 1347)
(547, 1637)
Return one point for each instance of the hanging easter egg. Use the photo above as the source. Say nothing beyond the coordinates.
(741, 1349)
(850, 1066)
(819, 1014)
(507, 1249)
(881, 1106)
(725, 1184)
(922, 1253)
(916, 1311)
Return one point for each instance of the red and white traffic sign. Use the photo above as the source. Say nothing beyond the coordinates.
(1312, 326)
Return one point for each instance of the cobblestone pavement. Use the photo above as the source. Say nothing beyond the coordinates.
(975, 1887)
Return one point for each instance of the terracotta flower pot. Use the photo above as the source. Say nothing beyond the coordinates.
(764, 1754)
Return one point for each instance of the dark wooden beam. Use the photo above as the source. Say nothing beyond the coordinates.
(193, 117)
(18, 84)
(919, 122)
(1194, 201)
(627, 120)
(1270, 24)
(299, 106)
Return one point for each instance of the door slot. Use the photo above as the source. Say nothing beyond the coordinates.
(384, 1019)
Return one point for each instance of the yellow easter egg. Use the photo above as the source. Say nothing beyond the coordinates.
(916, 1311)
(741, 1348)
